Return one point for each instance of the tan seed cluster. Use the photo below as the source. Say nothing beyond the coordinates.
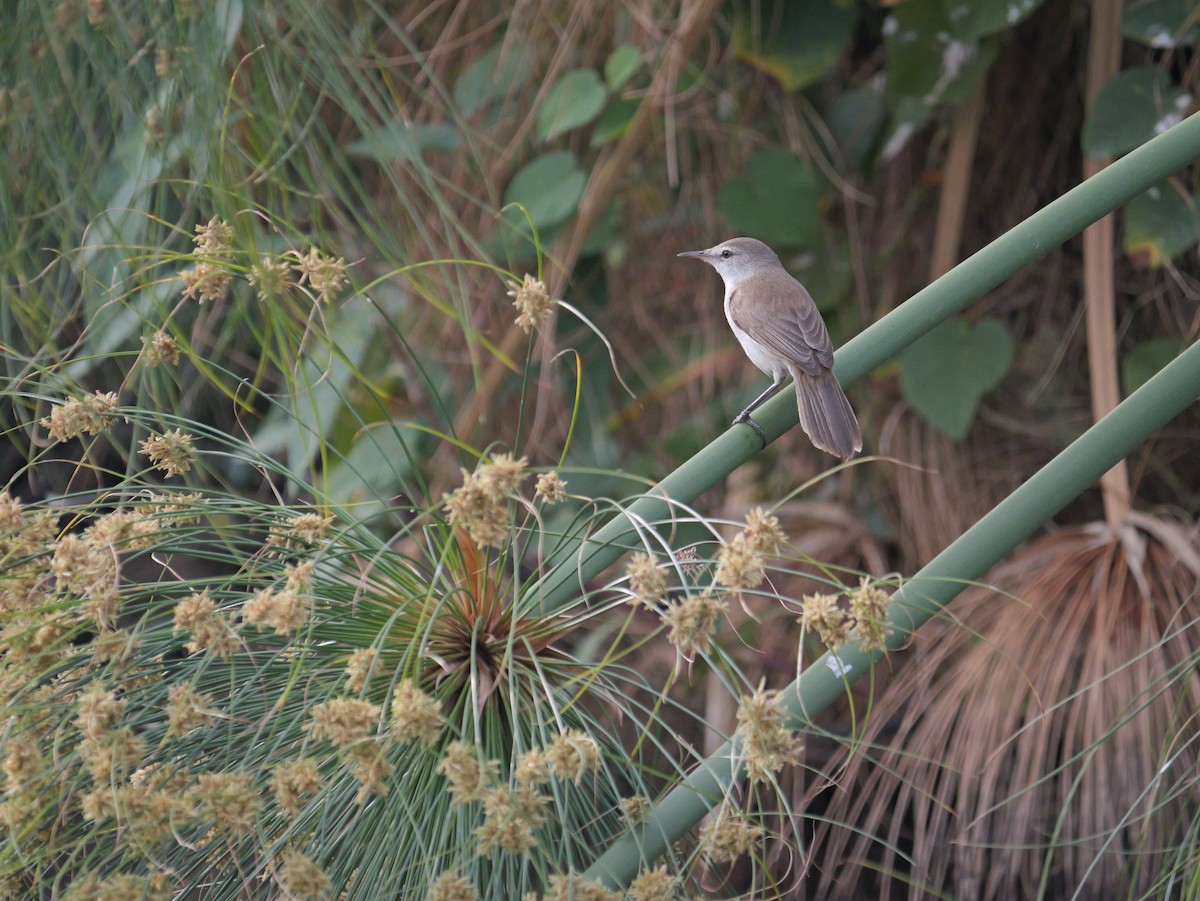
(161, 349)
(300, 531)
(767, 742)
(533, 302)
(510, 817)
(480, 505)
(572, 754)
(450, 886)
(270, 276)
(229, 800)
(415, 715)
(198, 614)
(285, 610)
(820, 613)
(302, 878)
(869, 607)
(344, 721)
(325, 275)
(654, 885)
(692, 622)
(293, 783)
(763, 532)
(467, 776)
(647, 583)
(89, 415)
(187, 709)
(172, 452)
(573, 887)
(739, 565)
(727, 836)
(550, 488)
(635, 808)
(359, 667)
(90, 570)
(209, 279)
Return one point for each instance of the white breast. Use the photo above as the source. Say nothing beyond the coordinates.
(761, 356)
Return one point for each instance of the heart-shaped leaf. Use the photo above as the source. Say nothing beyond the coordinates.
(1145, 360)
(945, 373)
(1162, 23)
(777, 199)
(1131, 109)
(794, 43)
(974, 19)
(621, 64)
(1160, 224)
(498, 73)
(575, 100)
(548, 187)
(927, 59)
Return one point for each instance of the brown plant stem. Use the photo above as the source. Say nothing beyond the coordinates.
(611, 168)
(1099, 290)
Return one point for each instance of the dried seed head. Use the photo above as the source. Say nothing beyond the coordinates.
(768, 743)
(550, 488)
(820, 613)
(292, 783)
(727, 836)
(692, 622)
(533, 302)
(415, 715)
(172, 452)
(739, 565)
(763, 533)
(647, 583)
(344, 721)
(572, 754)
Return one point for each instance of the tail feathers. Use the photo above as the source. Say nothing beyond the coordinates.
(826, 415)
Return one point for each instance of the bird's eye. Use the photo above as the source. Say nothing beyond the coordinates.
(726, 254)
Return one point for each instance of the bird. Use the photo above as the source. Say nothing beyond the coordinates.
(781, 330)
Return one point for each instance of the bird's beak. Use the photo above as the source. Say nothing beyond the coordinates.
(698, 254)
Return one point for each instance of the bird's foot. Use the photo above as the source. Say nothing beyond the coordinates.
(744, 417)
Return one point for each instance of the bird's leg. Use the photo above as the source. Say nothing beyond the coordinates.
(744, 416)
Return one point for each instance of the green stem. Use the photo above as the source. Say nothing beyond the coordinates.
(570, 569)
(984, 544)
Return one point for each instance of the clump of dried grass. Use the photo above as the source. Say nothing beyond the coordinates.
(1033, 740)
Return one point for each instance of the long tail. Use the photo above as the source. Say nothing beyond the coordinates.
(826, 415)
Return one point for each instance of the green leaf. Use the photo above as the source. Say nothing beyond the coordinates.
(947, 372)
(975, 19)
(1160, 224)
(613, 121)
(401, 141)
(794, 43)
(1131, 109)
(1145, 360)
(926, 59)
(549, 188)
(855, 119)
(1162, 23)
(498, 73)
(622, 63)
(575, 100)
(777, 200)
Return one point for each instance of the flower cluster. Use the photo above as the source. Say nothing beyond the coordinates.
(533, 302)
(88, 415)
(209, 279)
(767, 743)
(480, 505)
(866, 620)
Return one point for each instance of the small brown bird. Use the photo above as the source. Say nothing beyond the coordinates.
(782, 332)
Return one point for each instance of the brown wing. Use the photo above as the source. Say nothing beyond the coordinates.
(785, 319)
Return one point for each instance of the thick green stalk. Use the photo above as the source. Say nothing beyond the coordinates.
(980, 547)
(1062, 219)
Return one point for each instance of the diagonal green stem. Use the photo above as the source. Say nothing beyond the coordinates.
(968, 558)
(575, 564)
